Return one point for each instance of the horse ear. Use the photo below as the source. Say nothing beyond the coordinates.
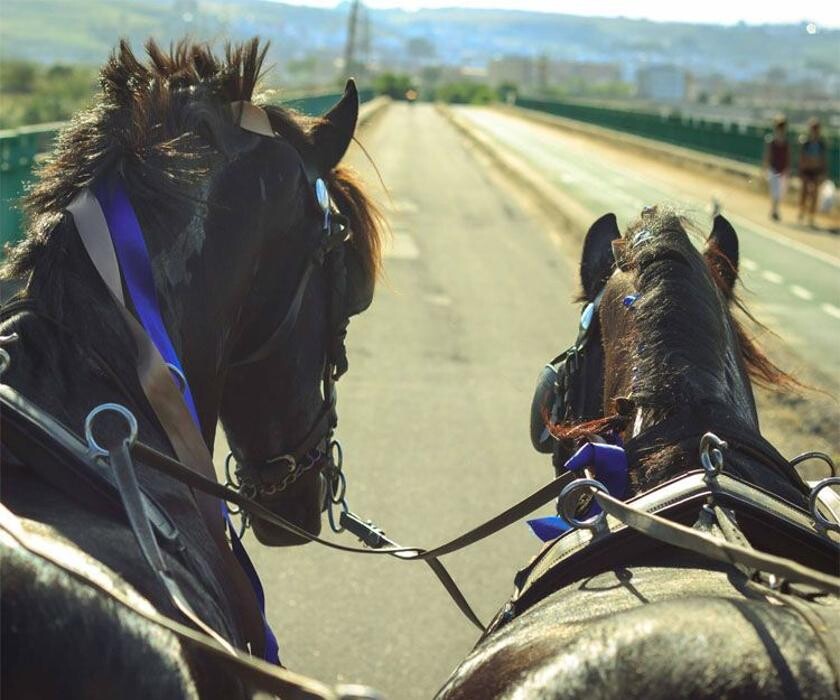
(331, 136)
(597, 261)
(722, 252)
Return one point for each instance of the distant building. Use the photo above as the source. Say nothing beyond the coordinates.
(519, 70)
(590, 72)
(662, 83)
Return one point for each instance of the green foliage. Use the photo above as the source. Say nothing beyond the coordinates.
(395, 85)
(465, 92)
(32, 94)
(17, 77)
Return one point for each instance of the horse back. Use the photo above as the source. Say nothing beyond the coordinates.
(61, 637)
(655, 632)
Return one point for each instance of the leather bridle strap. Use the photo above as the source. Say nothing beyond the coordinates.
(272, 679)
(168, 405)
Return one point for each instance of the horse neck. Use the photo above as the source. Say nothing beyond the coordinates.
(687, 353)
(73, 293)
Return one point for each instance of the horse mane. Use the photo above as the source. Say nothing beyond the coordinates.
(163, 124)
(681, 294)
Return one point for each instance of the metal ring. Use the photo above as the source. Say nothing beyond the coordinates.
(179, 375)
(336, 454)
(338, 496)
(812, 503)
(95, 447)
(567, 504)
(230, 478)
(806, 456)
(711, 456)
(5, 361)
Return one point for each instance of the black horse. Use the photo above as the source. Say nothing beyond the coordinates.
(235, 235)
(612, 615)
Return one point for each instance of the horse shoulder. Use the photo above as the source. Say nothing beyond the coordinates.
(61, 637)
(701, 644)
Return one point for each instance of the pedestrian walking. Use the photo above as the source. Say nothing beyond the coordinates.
(777, 164)
(813, 155)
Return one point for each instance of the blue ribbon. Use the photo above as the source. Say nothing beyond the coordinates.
(609, 463)
(134, 262)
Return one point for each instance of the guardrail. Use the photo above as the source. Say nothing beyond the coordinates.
(741, 142)
(21, 148)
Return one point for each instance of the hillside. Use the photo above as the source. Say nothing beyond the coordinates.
(85, 30)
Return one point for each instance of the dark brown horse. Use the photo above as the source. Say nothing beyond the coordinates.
(617, 616)
(235, 232)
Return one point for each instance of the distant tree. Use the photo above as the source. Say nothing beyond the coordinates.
(465, 92)
(727, 98)
(18, 77)
(395, 85)
(507, 91)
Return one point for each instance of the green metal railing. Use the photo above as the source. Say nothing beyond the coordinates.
(741, 142)
(21, 148)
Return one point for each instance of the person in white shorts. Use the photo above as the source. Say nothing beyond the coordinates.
(777, 163)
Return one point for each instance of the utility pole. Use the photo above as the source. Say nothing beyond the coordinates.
(365, 63)
(350, 47)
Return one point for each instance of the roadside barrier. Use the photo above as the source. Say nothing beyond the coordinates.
(741, 142)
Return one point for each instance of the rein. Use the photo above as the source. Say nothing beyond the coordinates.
(17, 407)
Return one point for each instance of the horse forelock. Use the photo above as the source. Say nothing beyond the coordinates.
(163, 124)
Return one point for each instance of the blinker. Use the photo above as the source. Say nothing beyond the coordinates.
(322, 194)
(586, 316)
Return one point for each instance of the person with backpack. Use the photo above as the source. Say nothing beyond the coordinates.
(813, 162)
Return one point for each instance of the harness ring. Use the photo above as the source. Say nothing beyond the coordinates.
(812, 503)
(567, 504)
(95, 448)
(711, 455)
(179, 375)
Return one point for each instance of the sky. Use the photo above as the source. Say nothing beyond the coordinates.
(822, 12)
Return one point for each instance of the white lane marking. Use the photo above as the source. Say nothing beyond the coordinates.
(786, 242)
(831, 310)
(402, 247)
(439, 299)
(801, 292)
(749, 264)
(773, 277)
(402, 206)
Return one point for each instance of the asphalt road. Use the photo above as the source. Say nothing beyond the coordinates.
(793, 286)
(433, 416)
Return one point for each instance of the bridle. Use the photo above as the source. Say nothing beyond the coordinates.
(273, 475)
